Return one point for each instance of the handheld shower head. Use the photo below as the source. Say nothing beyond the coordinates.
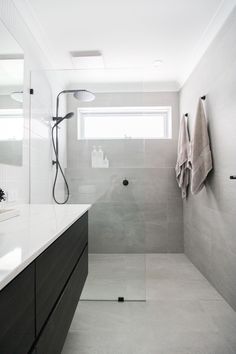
(60, 119)
(68, 115)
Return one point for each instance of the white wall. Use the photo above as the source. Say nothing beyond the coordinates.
(37, 151)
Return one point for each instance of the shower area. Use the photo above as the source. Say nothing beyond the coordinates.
(136, 204)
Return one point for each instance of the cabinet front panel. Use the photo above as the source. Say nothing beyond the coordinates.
(17, 314)
(54, 333)
(54, 266)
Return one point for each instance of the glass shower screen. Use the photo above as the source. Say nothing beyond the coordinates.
(104, 166)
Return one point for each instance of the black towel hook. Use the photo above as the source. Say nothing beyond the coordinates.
(203, 97)
(186, 115)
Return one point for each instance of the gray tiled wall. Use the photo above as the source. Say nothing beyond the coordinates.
(146, 216)
(209, 217)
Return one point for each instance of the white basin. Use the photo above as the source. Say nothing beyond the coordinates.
(8, 213)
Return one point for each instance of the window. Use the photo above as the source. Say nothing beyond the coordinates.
(11, 124)
(124, 123)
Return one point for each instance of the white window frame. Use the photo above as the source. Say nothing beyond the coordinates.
(155, 110)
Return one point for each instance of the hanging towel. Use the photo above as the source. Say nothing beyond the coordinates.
(201, 159)
(182, 168)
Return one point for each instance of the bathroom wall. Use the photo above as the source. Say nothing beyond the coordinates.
(146, 216)
(209, 217)
(32, 181)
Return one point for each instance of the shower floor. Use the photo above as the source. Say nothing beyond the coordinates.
(116, 275)
(183, 314)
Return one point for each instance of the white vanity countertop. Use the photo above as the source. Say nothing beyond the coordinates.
(26, 236)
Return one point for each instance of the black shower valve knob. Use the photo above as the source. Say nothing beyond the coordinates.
(125, 182)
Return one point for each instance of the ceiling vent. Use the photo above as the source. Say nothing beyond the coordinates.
(87, 60)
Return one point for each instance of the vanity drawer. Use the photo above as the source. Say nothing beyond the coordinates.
(55, 331)
(17, 321)
(54, 266)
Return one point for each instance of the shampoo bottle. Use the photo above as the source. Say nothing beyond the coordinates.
(100, 156)
(94, 157)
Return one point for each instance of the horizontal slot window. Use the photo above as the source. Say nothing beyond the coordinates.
(124, 123)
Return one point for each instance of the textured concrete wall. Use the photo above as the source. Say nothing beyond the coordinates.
(146, 216)
(209, 217)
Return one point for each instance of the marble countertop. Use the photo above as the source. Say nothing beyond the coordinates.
(25, 237)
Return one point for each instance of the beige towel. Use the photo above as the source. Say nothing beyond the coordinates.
(201, 159)
(182, 168)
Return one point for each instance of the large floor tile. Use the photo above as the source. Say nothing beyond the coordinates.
(224, 318)
(174, 289)
(183, 313)
(174, 266)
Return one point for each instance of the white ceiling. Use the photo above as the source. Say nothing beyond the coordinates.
(131, 34)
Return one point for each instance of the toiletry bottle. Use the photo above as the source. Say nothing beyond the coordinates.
(94, 157)
(106, 162)
(100, 156)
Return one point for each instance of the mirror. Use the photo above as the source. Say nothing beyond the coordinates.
(11, 99)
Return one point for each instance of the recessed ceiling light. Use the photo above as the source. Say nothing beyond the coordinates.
(157, 63)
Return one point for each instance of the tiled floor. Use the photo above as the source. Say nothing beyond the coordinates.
(183, 314)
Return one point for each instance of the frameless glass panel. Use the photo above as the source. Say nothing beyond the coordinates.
(117, 261)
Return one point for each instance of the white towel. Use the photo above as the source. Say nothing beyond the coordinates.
(182, 168)
(201, 159)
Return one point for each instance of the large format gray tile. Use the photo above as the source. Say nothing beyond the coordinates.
(146, 184)
(96, 343)
(209, 217)
(156, 237)
(180, 290)
(223, 317)
(186, 315)
(171, 267)
(131, 227)
(198, 246)
(175, 237)
(222, 274)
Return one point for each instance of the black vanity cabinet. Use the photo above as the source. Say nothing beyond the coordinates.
(54, 267)
(61, 272)
(37, 307)
(17, 314)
